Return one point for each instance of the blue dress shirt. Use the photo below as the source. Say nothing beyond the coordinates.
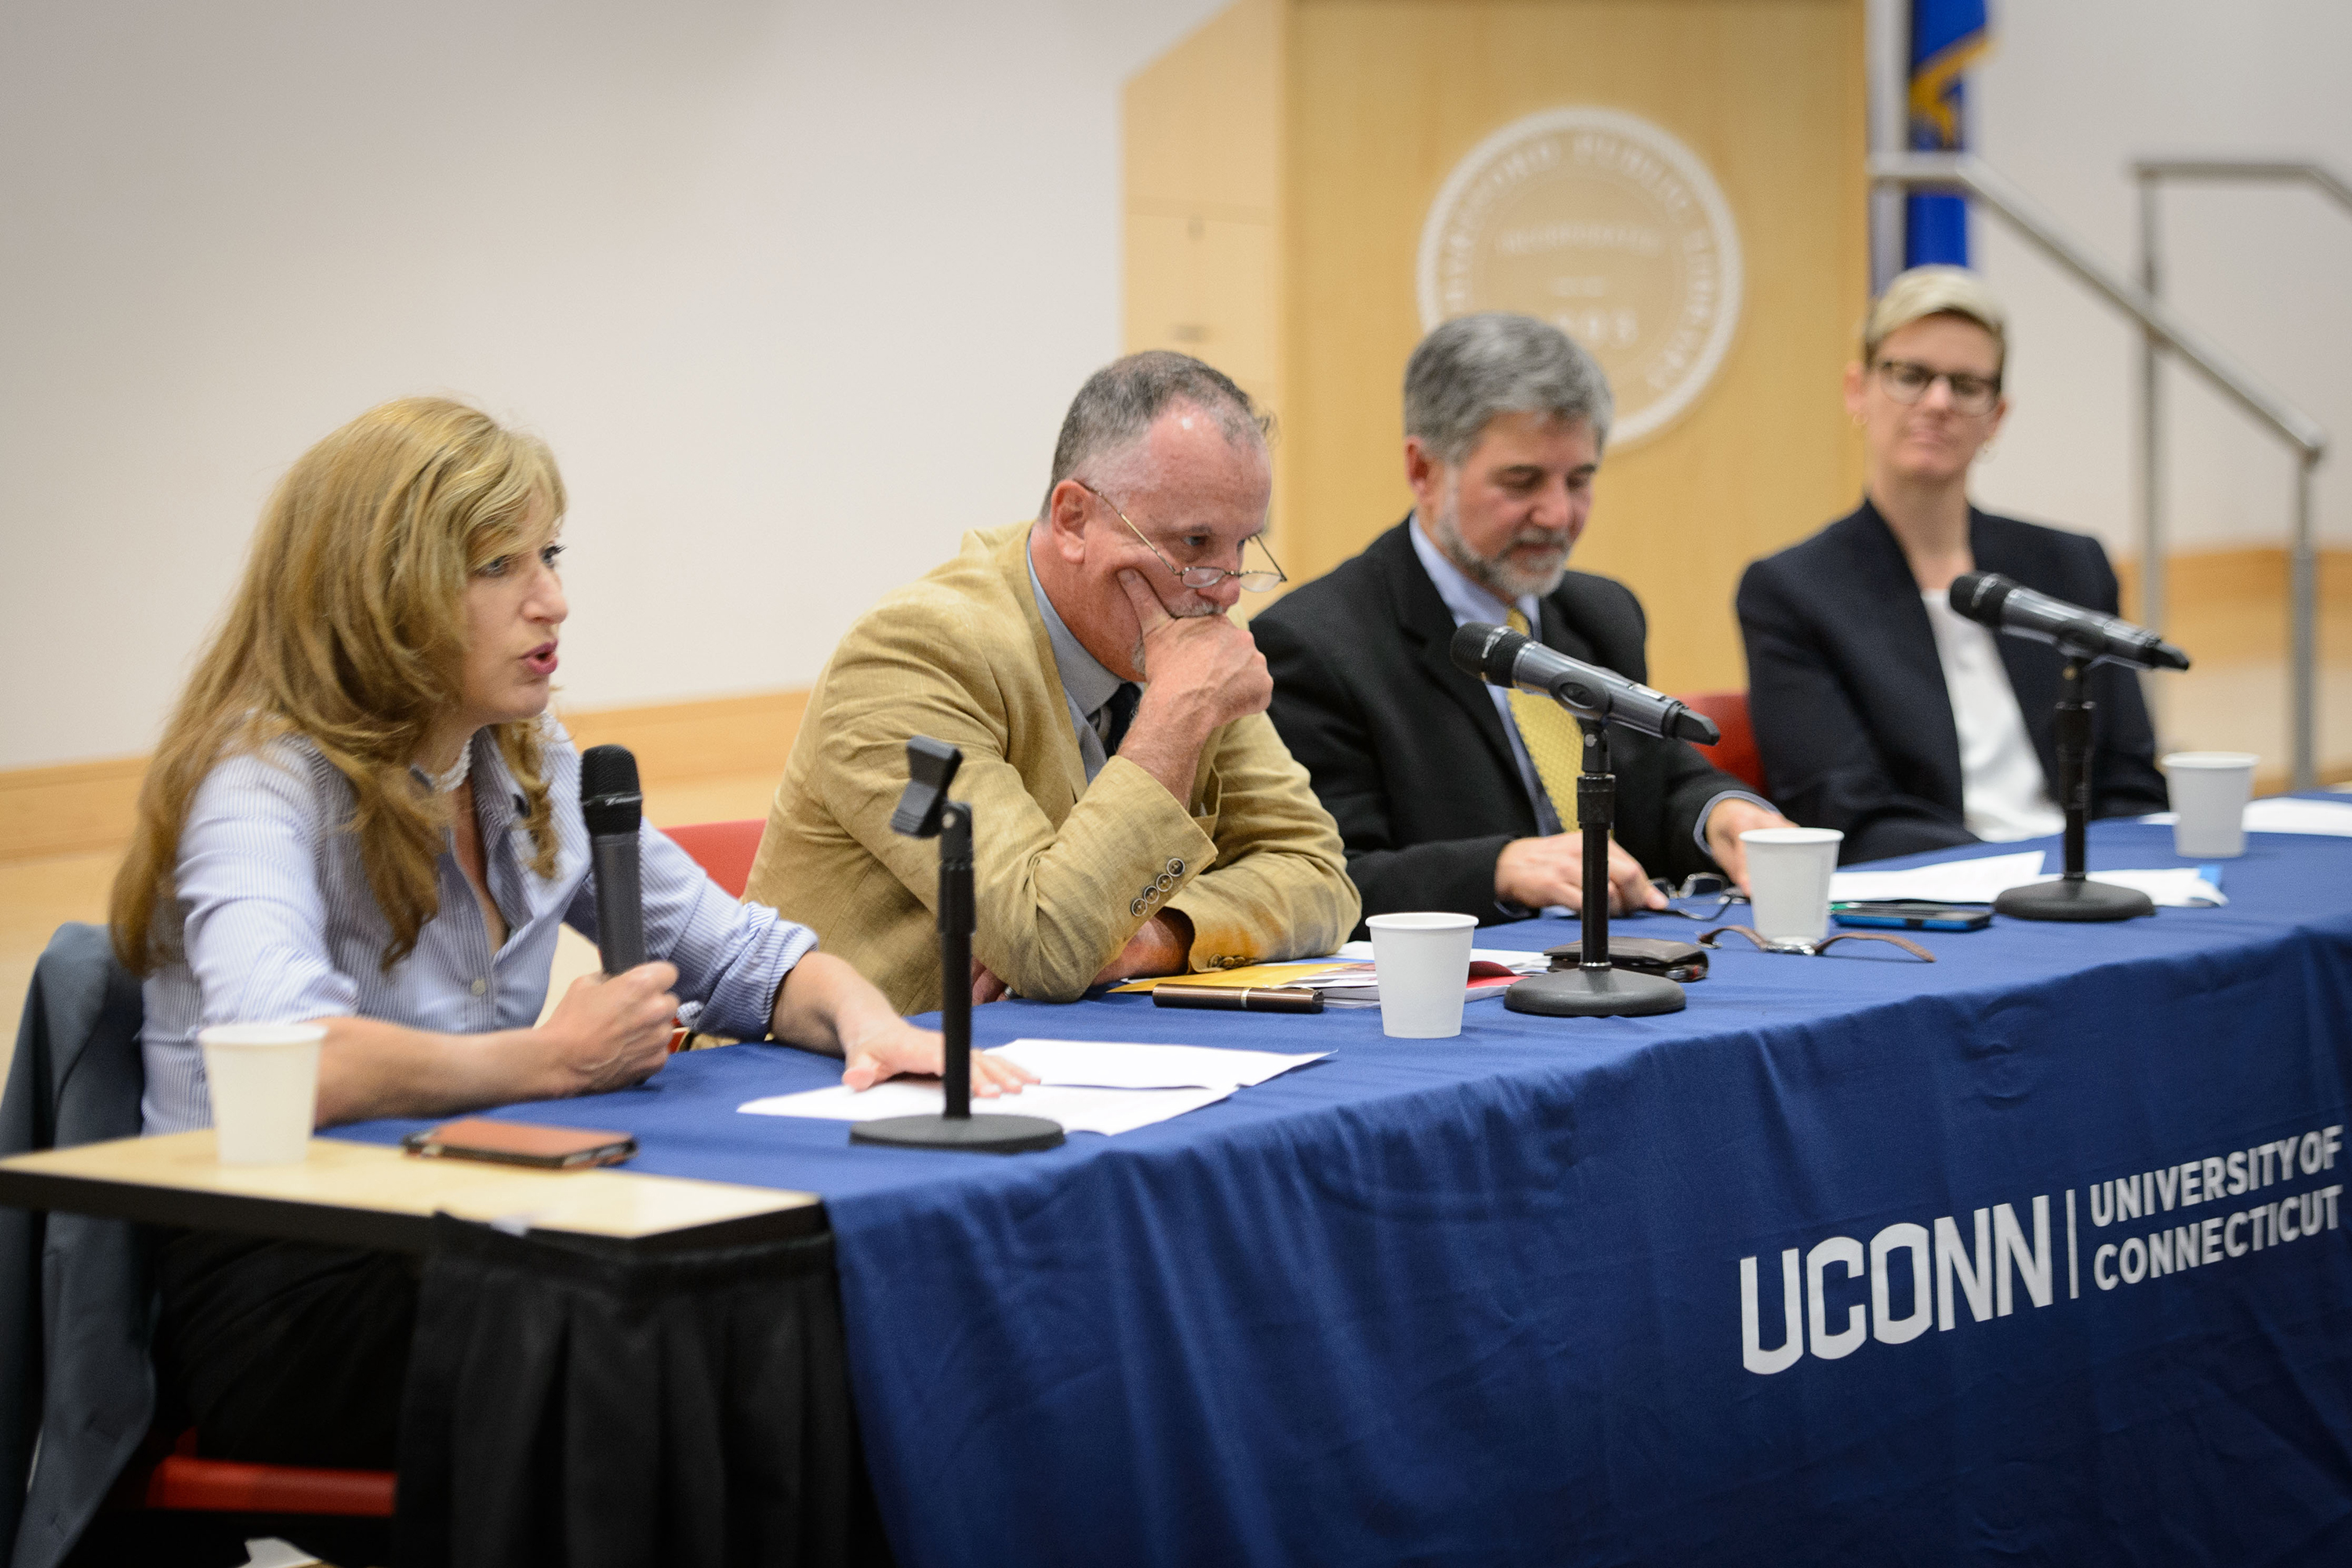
(276, 922)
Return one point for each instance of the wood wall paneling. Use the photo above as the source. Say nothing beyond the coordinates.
(1386, 99)
(90, 806)
(683, 740)
(69, 809)
(1374, 102)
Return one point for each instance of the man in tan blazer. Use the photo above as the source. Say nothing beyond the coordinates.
(1134, 812)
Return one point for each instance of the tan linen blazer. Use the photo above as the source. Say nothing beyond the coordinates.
(1064, 871)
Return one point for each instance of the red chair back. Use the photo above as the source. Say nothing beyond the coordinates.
(724, 849)
(1735, 753)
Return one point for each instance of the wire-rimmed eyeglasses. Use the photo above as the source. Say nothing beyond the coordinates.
(1907, 381)
(1201, 576)
(1699, 885)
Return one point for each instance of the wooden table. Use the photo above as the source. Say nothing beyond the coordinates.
(364, 1195)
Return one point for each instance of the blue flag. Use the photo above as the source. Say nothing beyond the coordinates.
(1947, 36)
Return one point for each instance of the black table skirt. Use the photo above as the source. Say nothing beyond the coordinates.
(578, 1405)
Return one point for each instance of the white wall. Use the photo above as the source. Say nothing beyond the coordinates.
(797, 291)
(2072, 94)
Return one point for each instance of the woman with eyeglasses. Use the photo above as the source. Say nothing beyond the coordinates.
(1880, 713)
(362, 814)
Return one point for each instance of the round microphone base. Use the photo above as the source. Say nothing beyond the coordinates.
(2073, 899)
(1595, 994)
(973, 1134)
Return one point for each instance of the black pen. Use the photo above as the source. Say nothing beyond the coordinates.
(1240, 998)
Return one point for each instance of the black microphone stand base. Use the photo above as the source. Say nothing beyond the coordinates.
(2072, 899)
(1595, 994)
(971, 1134)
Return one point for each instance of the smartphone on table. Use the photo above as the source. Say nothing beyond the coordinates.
(1912, 914)
(520, 1143)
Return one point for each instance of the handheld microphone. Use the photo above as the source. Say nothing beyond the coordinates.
(2007, 605)
(1501, 656)
(612, 807)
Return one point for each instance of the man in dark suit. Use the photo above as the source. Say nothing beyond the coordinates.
(1450, 793)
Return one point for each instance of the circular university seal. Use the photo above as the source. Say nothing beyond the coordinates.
(1607, 226)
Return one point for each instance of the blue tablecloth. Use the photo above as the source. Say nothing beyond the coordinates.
(1520, 1297)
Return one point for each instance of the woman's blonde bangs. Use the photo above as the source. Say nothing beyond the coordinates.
(1925, 291)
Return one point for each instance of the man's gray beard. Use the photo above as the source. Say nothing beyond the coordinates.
(1497, 575)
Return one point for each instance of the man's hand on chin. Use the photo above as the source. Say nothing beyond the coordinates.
(1724, 827)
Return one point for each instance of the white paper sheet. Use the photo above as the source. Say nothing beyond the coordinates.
(1105, 1111)
(1950, 882)
(2285, 814)
(1512, 959)
(1114, 1063)
(1983, 881)
(1343, 979)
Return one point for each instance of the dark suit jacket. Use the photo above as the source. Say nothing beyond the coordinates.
(76, 1296)
(1409, 754)
(1847, 694)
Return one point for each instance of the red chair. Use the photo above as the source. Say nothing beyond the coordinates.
(1735, 753)
(724, 849)
(181, 1481)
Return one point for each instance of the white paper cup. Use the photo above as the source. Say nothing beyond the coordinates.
(2210, 791)
(1788, 880)
(265, 1087)
(1423, 963)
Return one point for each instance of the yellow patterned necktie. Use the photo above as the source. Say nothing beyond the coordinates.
(1554, 741)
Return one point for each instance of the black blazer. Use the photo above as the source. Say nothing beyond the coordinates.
(1847, 694)
(1409, 754)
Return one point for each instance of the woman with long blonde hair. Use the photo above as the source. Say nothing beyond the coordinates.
(362, 814)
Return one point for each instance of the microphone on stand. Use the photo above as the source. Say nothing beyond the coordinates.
(610, 802)
(2008, 606)
(2082, 637)
(926, 812)
(1501, 656)
(1598, 697)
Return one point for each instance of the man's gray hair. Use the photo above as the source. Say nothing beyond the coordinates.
(1475, 367)
(1115, 407)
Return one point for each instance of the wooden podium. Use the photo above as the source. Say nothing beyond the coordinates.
(1678, 183)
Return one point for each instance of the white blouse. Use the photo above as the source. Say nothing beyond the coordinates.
(2003, 794)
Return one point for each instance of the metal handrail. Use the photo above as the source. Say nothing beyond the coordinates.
(2303, 592)
(1969, 175)
(2246, 169)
